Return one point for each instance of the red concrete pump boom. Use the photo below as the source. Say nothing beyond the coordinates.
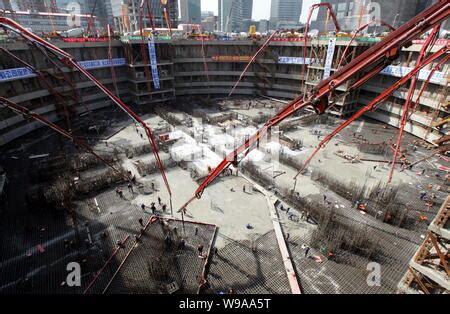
(20, 110)
(70, 61)
(306, 31)
(369, 63)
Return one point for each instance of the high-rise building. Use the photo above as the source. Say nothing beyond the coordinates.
(129, 9)
(352, 13)
(46, 22)
(29, 5)
(286, 12)
(232, 13)
(246, 24)
(209, 24)
(190, 11)
(103, 9)
(263, 26)
(69, 6)
(5, 5)
(206, 14)
(247, 9)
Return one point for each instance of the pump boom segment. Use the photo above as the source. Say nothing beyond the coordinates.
(70, 61)
(369, 64)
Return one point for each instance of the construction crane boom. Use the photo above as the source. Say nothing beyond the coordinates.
(91, 21)
(70, 61)
(20, 110)
(370, 62)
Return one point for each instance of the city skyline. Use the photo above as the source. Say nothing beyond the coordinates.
(261, 8)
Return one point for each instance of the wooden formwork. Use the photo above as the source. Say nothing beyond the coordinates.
(429, 271)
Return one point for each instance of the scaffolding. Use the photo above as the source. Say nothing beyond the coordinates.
(429, 271)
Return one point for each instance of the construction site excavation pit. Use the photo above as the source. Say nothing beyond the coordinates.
(254, 230)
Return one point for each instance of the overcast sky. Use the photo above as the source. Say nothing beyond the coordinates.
(261, 8)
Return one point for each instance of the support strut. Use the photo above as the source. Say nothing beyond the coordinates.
(406, 107)
(70, 61)
(372, 105)
(20, 110)
(370, 62)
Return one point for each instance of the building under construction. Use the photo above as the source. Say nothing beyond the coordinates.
(197, 165)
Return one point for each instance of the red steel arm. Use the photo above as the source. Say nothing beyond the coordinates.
(71, 62)
(166, 7)
(59, 97)
(142, 45)
(330, 10)
(424, 87)
(384, 51)
(20, 110)
(267, 42)
(383, 96)
(261, 49)
(91, 22)
(305, 34)
(150, 12)
(359, 30)
(428, 44)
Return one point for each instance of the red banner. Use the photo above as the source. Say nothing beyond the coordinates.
(232, 58)
(296, 39)
(83, 40)
(439, 42)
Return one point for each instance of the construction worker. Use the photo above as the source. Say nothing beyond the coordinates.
(330, 255)
(182, 244)
(306, 251)
(243, 188)
(159, 200)
(143, 206)
(423, 194)
(130, 188)
(153, 208)
(141, 222)
(164, 207)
